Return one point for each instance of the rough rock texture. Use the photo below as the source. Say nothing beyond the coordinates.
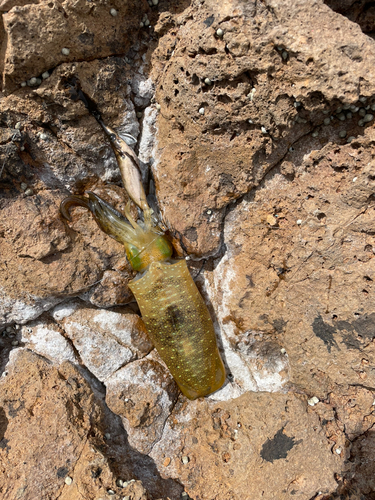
(255, 128)
(105, 340)
(51, 413)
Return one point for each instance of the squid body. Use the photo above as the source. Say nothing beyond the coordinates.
(175, 314)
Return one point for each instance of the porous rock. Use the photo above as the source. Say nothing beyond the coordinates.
(247, 135)
(143, 393)
(50, 431)
(271, 435)
(205, 162)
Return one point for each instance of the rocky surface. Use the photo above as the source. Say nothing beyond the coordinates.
(255, 128)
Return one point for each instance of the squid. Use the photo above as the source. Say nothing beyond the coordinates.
(172, 308)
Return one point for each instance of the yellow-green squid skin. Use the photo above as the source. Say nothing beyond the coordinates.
(180, 327)
(175, 314)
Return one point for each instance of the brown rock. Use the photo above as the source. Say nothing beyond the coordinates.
(270, 434)
(47, 419)
(206, 161)
(143, 393)
(87, 31)
(43, 259)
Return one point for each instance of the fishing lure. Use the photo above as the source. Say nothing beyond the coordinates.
(176, 317)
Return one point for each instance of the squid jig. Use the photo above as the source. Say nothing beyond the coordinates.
(176, 317)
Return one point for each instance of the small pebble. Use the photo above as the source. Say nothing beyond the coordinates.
(167, 461)
(126, 498)
(282, 350)
(34, 82)
(113, 12)
(251, 94)
(263, 130)
(29, 192)
(338, 110)
(157, 106)
(65, 51)
(120, 483)
(68, 480)
(9, 329)
(355, 178)
(341, 117)
(201, 111)
(313, 401)
(327, 121)
(372, 105)
(23, 84)
(250, 121)
(15, 342)
(185, 460)
(367, 118)
(299, 222)
(315, 133)
(325, 112)
(184, 494)
(125, 484)
(45, 75)
(338, 451)
(219, 32)
(155, 2)
(349, 115)
(139, 114)
(355, 109)
(207, 81)
(291, 149)
(362, 112)
(361, 123)
(141, 24)
(346, 106)
(147, 22)
(342, 134)
(18, 125)
(43, 137)
(284, 55)
(363, 100)
(107, 436)
(297, 104)
(350, 139)
(110, 492)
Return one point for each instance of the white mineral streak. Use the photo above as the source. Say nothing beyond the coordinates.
(249, 374)
(19, 311)
(48, 342)
(103, 339)
(64, 310)
(101, 354)
(147, 139)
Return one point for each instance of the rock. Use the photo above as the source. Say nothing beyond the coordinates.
(47, 414)
(40, 262)
(88, 31)
(143, 393)
(46, 339)
(208, 161)
(105, 340)
(265, 280)
(112, 290)
(247, 113)
(272, 435)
